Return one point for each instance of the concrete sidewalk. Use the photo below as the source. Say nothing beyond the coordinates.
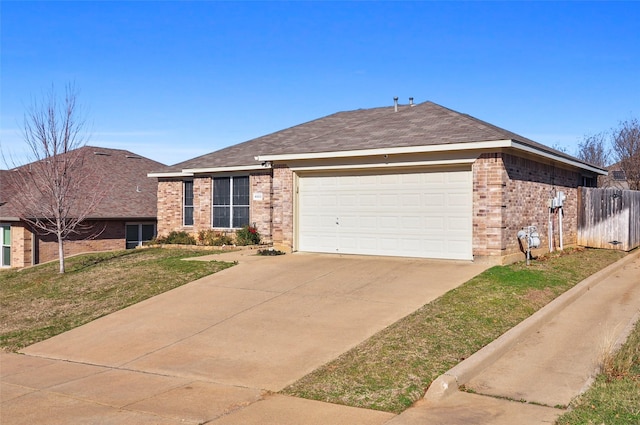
(542, 364)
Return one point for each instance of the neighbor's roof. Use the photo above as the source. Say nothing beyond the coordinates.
(424, 124)
(118, 175)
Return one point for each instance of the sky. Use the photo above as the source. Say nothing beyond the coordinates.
(174, 80)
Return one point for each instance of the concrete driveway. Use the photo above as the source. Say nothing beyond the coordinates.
(230, 339)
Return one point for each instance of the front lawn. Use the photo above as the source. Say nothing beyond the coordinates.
(393, 369)
(38, 303)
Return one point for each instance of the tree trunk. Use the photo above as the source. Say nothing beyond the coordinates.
(61, 253)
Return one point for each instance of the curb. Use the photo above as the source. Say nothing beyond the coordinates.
(449, 382)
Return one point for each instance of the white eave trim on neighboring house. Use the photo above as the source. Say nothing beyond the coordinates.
(227, 169)
(171, 174)
(491, 144)
(190, 172)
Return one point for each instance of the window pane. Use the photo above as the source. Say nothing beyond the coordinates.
(6, 256)
(221, 191)
(240, 216)
(148, 232)
(241, 191)
(6, 235)
(221, 216)
(188, 216)
(132, 233)
(188, 193)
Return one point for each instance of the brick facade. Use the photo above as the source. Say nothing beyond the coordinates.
(260, 205)
(170, 193)
(510, 192)
(21, 245)
(111, 237)
(169, 206)
(99, 236)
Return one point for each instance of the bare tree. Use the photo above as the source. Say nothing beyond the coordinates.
(626, 147)
(593, 149)
(51, 193)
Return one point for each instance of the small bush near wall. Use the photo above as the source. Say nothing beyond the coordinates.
(180, 238)
(248, 235)
(213, 238)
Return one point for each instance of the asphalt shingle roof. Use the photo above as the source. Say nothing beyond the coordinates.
(119, 175)
(422, 124)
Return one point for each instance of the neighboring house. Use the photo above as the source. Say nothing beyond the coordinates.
(616, 179)
(124, 216)
(416, 180)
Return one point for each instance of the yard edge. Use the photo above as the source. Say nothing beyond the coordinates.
(450, 381)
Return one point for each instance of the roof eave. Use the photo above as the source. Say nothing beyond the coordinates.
(482, 145)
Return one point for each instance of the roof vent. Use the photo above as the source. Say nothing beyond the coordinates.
(133, 156)
(411, 101)
(395, 104)
(102, 153)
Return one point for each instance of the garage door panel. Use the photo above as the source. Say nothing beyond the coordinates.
(424, 214)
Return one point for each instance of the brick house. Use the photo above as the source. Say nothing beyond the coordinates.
(416, 180)
(125, 214)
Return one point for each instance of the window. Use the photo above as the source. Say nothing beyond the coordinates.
(138, 233)
(588, 181)
(231, 202)
(187, 215)
(5, 254)
(619, 175)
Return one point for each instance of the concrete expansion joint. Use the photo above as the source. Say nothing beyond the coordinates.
(513, 400)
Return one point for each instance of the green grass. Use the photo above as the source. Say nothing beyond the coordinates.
(38, 303)
(393, 369)
(614, 398)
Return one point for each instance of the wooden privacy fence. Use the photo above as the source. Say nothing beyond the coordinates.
(609, 218)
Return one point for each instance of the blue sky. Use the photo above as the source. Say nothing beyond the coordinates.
(174, 80)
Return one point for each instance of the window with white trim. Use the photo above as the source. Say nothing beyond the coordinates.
(187, 203)
(5, 254)
(231, 202)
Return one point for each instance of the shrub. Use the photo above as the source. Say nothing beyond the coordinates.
(211, 237)
(248, 235)
(270, 252)
(179, 238)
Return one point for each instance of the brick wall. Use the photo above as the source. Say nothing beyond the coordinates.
(169, 206)
(283, 207)
(510, 192)
(21, 245)
(202, 203)
(170, 193)
(260, 209)
(111, 237)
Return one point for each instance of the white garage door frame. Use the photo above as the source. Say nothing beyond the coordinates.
(421, 212)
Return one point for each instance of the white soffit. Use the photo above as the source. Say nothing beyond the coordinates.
(384, 165)
(172, 174)
(490, 144)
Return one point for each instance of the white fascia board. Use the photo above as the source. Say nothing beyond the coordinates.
(549, 155)
(385, 165)
(489, 144)
(226, 169)
(172, 174)
(388, 151)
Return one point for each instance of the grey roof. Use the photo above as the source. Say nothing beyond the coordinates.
(422, 124)
(120, 176)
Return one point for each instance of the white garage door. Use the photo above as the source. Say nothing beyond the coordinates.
(420, 214)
